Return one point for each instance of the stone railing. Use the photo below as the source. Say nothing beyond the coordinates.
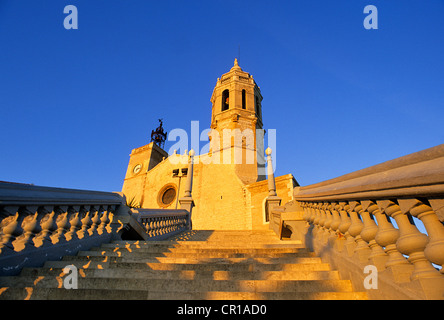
(41, 223)
(159, 224)
(370, 217)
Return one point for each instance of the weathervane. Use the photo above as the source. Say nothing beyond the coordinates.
(158, 135)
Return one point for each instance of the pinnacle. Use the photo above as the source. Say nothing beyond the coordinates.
(236, 65)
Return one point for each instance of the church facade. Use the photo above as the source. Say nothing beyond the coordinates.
(229, 182)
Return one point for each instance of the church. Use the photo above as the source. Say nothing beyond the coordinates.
(229, 182)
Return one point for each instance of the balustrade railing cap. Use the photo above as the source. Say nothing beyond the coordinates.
(417, 174)
(22, 194)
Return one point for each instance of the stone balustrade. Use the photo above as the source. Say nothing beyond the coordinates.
(160, 224)
(389, 216)
(42, 223)
(38, 224)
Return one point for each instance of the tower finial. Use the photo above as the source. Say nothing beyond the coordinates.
(236, 65)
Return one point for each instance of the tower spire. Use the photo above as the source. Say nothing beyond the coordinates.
(236, 65)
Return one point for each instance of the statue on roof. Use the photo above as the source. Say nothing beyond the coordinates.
(159, 135)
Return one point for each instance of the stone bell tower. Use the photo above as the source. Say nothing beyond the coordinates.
(236, 123)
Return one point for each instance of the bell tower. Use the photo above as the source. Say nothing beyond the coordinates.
(236, 123)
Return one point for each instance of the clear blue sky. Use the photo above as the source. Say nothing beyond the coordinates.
(74, 103)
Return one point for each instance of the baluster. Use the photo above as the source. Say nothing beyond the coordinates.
(361, 249)
(343, 208)
(62, 224)
(150, 225)
(74, 222)
(307, 212)
(323, 220)
(8, 226)
(314, 216)
(178, 223)
(343, 227)
(368, 234)
(172, 224)
(387, 235)
(323, 216)
(30, 226)
(310, 216)
(316, 207)
(336, 218)
(335, 222)
(340, 235)
(47, 225)
(157, 226)
(103, 221)
(160, 226)
(95, 212)
(111, 213)
(86, 222)
(412, 242)
(164, 225)
(434, 250)
(319, 231)
(167, 224)
(328, 220)
(312, 213)
(379, 260)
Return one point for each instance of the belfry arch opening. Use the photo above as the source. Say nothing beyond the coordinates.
(244, 102)
(225, 100)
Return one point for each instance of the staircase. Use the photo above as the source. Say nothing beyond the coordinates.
(217, 265)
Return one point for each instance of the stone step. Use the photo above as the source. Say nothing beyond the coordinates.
(184, 285)
(86, 257)
(194, 254)
(209, 235)
(202, 244)
(225, 266)
(80, 264)
(147, 247)
(245, 274)
(101, 294)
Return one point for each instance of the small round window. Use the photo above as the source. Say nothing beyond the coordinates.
(168, 196)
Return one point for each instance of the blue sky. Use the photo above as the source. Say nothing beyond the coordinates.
(74, 103)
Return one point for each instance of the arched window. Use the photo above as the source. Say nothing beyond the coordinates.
(225, 100)
(244, 102)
